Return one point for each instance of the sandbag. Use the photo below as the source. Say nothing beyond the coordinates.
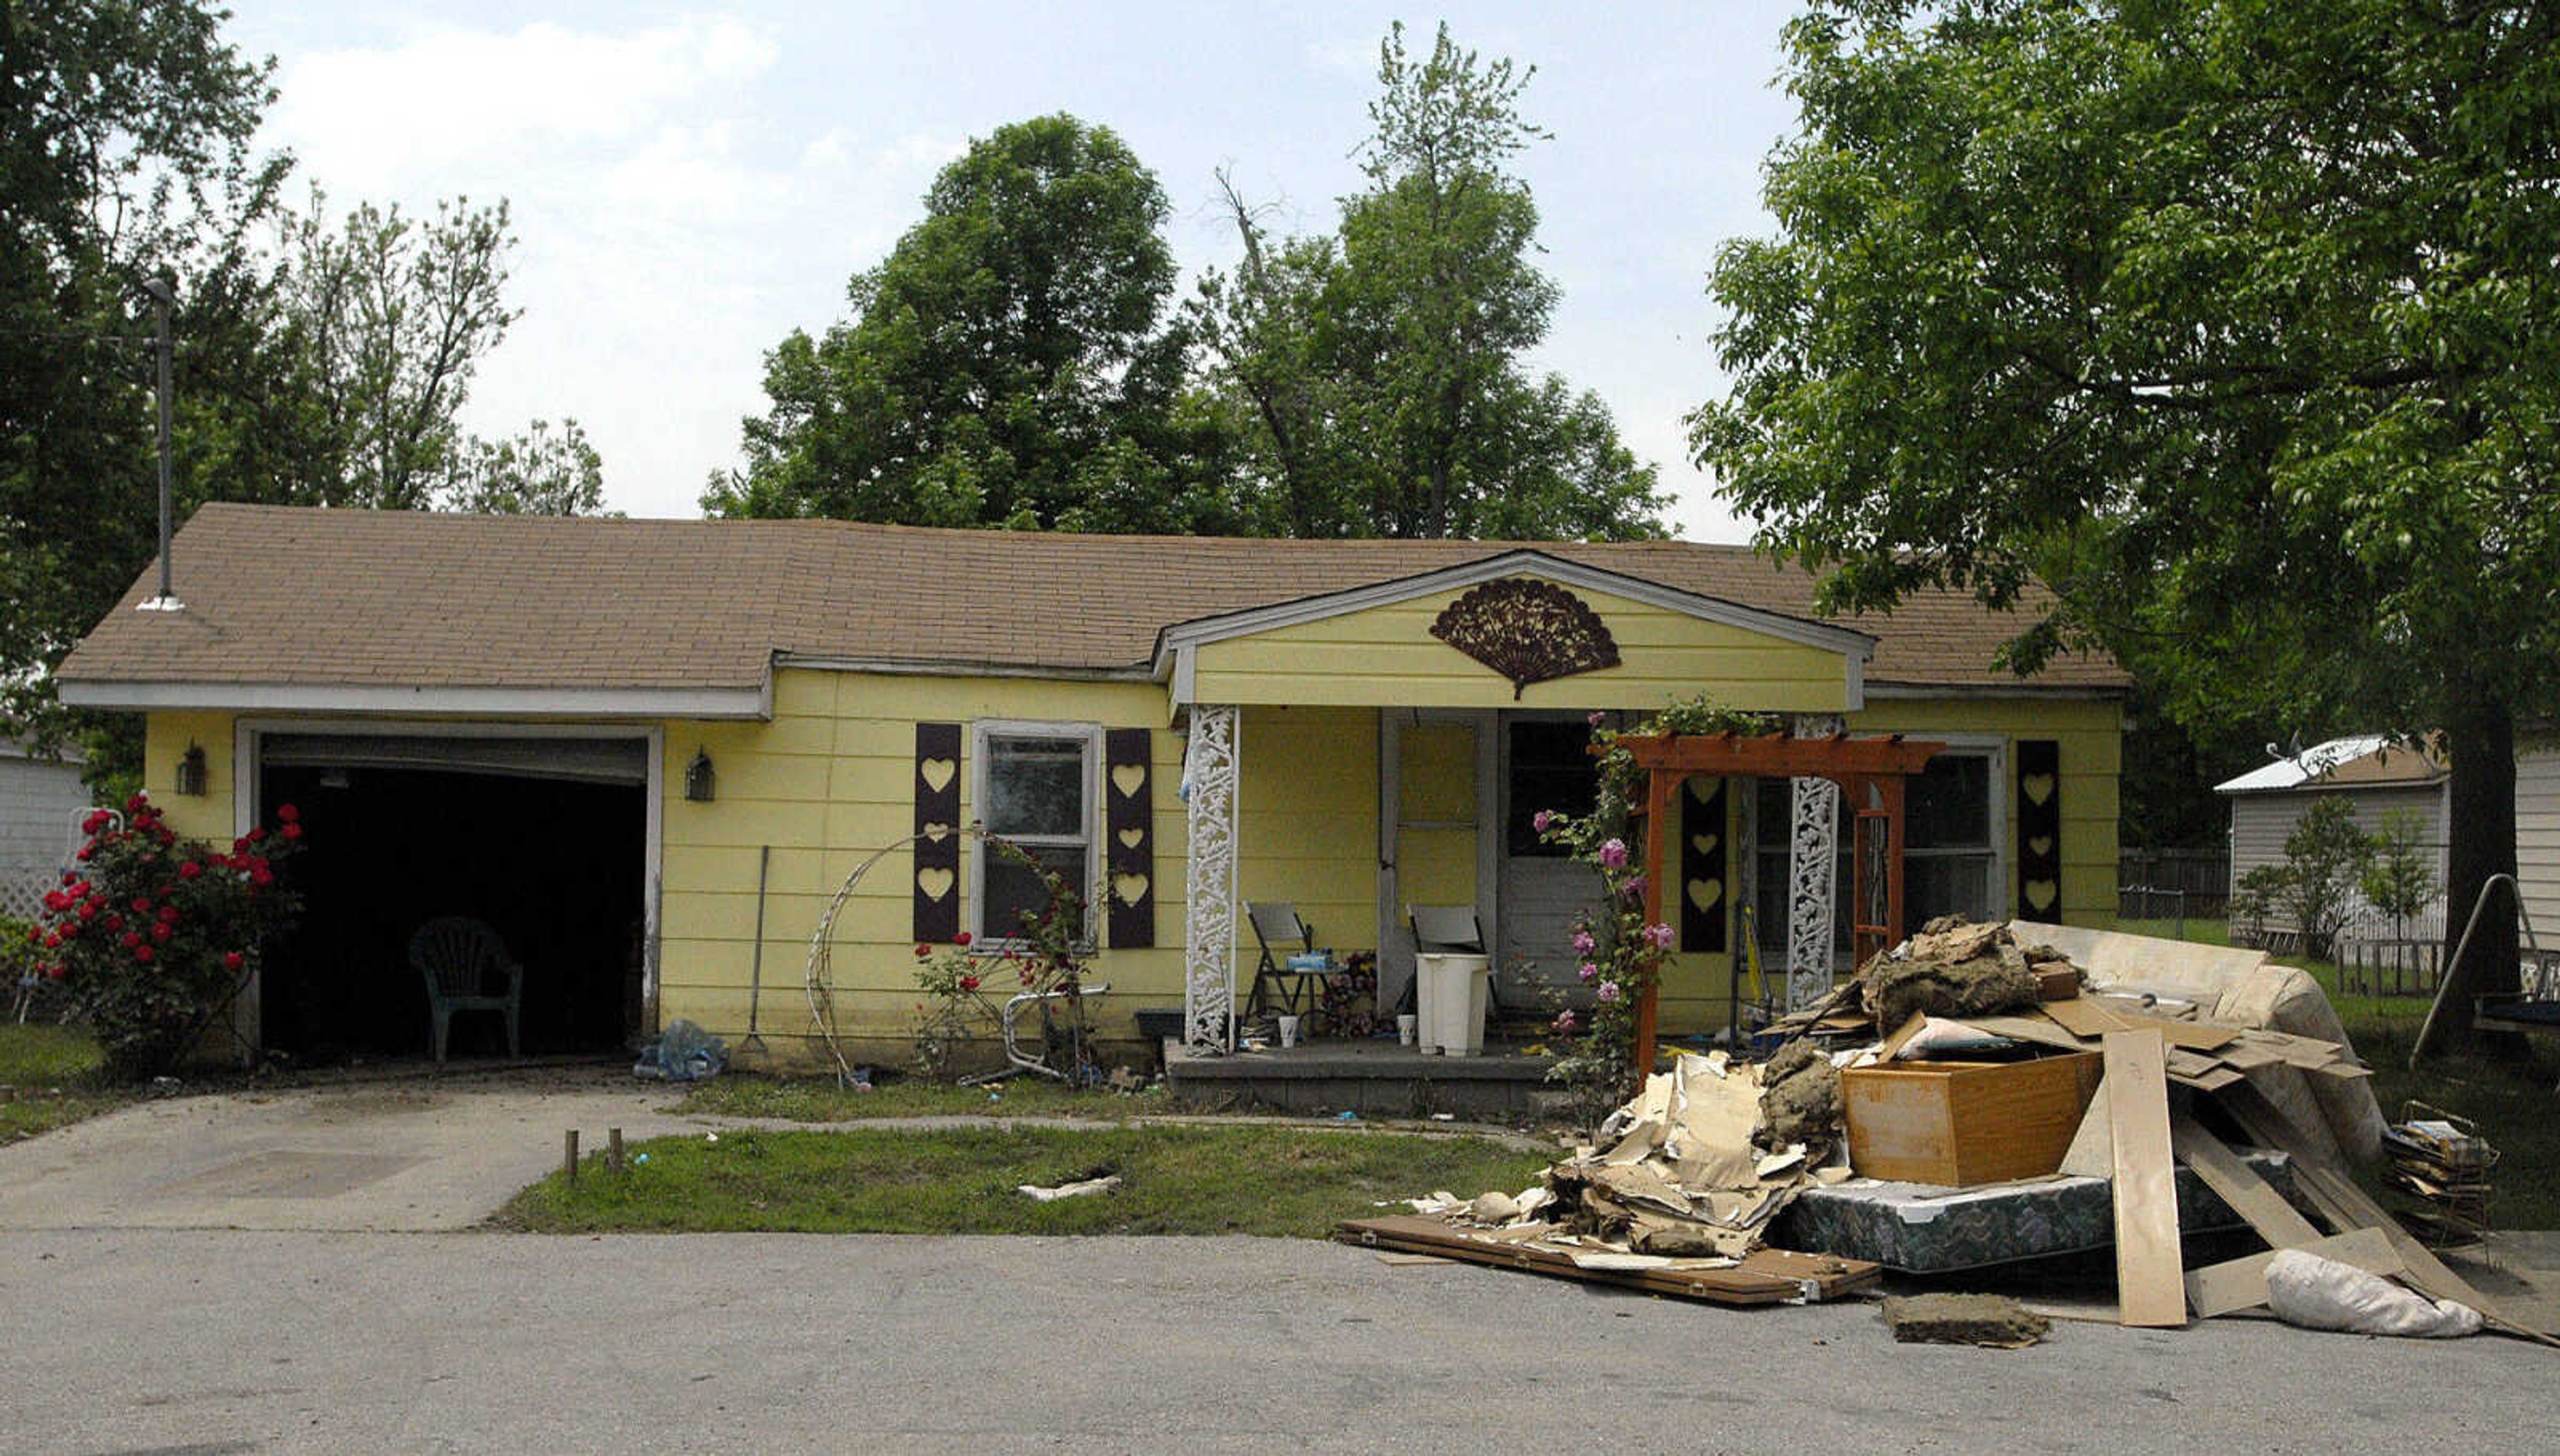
(2322, 1294)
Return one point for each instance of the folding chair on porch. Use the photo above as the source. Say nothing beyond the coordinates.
(1275, 986)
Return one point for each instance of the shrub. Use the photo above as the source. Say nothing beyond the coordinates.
(2400, 875)
(150, 933)
(2324, 858)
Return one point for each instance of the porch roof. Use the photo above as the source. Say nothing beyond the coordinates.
(652, 613)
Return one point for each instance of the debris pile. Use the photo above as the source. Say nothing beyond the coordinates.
(1969, 1074)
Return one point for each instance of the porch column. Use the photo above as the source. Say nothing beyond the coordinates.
(1209, 766)
(1813, 867)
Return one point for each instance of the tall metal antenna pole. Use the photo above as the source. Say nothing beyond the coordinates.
(161, 296)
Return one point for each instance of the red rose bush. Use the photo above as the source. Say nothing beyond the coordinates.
(149, 933)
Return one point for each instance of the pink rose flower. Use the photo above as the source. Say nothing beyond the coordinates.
(1613, 853)
(1608, 991)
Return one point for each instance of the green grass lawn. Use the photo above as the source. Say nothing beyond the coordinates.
(1260, 1178)
(819, 1100)
(2515, 1104)
(51, 1076)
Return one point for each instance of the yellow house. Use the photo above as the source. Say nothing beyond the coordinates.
(628, 744)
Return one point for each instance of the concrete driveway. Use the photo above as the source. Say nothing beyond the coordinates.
(423, 1154)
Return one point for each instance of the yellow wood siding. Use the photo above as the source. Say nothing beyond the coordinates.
(829, 782)
(165, 739)
(1386, 656)
(1306, 828)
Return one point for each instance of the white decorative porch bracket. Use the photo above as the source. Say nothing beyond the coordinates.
(1209, 894)
(1812, 868)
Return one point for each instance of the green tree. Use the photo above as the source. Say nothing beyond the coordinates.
(1381, 369)
(2231, 323)
(124, 154)
(1011, 362)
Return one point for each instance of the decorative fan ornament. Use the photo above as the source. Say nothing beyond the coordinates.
(1528, 630)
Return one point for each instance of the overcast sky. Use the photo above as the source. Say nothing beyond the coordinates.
(690, 183)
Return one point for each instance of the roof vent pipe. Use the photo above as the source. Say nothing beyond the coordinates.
(162, 294)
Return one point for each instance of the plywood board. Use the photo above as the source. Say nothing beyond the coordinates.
(1763, 1277)
(2193, 1035)
(2249, 1196)
(2092, 1150)
(2082, 1017)
(2149, 1287)
(2241, 1283)
(2033, 1029)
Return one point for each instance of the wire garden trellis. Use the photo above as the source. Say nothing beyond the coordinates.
(1046, 1001)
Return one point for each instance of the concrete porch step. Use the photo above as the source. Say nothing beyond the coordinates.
(1371, 1076)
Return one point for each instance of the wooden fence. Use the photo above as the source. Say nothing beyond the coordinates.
(2162, 884)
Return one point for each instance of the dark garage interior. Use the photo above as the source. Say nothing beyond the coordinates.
(554, 864)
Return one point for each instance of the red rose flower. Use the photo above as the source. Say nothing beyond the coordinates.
(190, 870)
(160, 933)
(293, 831)
(114, 922)
(234, 961)
(923, 952)
(142, 904)
(168, 914)
(960, 939)
(968, 983)
(55, 970)
(136, 804)
(142, 953)
(89, 910)
(259, 875)
(286, 813)
(83, 852)
(133, 938)
(257, 836)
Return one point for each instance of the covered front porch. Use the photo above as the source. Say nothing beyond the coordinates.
(1360, 756)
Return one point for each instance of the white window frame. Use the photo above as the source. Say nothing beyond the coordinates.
(982, 734)
(1995, 747)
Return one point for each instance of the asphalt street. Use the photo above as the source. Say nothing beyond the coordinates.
(206, 1342)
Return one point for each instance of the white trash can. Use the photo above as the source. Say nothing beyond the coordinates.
(1450, 997)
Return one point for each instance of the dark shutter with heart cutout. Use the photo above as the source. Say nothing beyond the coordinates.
(1702, 863)
(1129, 822)
(2039, 830)
(937, 819)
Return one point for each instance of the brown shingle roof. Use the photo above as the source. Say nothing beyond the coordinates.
(279, 595)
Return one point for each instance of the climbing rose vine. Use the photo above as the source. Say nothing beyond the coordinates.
(149, 932)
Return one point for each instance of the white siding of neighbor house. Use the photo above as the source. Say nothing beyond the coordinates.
(2537, 833)
(37, 798)
(2260, 822)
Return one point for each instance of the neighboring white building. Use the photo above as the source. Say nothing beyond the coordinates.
(41, 800)
(2380, 776)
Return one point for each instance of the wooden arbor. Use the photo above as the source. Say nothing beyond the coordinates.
(1869, 771)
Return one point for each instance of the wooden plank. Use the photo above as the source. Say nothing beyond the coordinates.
(2239, 1185)
(2211, 1079)
(2241, 1283)
(2093, 1151)
(2082, 1017)
(2149, 1287)
(1763, 1277)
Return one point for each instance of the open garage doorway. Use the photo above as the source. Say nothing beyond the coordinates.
(542, 839)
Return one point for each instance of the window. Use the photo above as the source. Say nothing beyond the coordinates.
(1035, 790)
(1950, 850)
(1551, 767)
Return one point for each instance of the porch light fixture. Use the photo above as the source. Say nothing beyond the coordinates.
(190, 771)
(702, 785)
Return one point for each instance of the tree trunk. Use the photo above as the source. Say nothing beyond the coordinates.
(2479, 736)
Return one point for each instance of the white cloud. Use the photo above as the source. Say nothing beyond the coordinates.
(371, 118)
